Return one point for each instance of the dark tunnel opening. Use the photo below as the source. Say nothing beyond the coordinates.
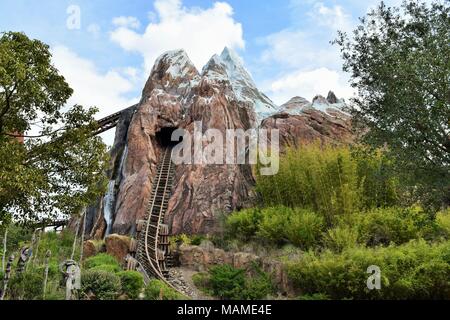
(164, 137)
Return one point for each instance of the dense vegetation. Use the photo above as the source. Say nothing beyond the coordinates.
(332, 181)
(415, 270)
(59, 167)
(102, 277)
(228, 283)
(398, 60)
(158, 290)
(341, 209)
(346, 210)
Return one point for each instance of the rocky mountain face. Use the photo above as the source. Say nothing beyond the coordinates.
(300, 121)
(222, 96)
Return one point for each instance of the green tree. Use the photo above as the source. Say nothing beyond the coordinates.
(59, 168)
(399, 62)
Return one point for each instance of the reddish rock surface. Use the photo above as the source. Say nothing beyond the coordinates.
(309, 126)
(200, 258)
(176, 96)
(117, 246)
(89, 249)
(223, 96)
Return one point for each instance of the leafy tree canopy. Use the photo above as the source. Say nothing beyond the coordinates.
(399, 62)
(59, 168)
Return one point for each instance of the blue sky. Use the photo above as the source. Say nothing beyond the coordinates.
(284, 43)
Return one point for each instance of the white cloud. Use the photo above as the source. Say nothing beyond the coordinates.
(309, 83)
(334, 18)
(201, 32)
(106, 91)
(310, 64)
(299, 49)
(127, 22)
(309, 46)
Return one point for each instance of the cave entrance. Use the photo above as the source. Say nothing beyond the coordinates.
(164, 138)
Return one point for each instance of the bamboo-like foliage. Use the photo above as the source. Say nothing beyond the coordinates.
(46, 263)
(329, 180)
(5, 240)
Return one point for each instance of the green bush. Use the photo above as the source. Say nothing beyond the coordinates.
(179, 239)
(132, 283)
(443, 222)
(107, 268)
(274, 223)
(243, 224)
(277, 225)
(17, 236)
(197, 239)
(304, 228)
(103, 285)
(202, 282)
(395, 225)
(379, 184)
(315, 297)
(158, 290)
(227, 282)
(60, 245)
(258, 286)
(415, 270)
(100, 260)
(340, 238)
(26, 286)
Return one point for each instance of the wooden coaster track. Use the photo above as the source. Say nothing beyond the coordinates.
(152, 233)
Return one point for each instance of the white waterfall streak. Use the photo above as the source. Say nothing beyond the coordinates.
(108, 203)
(122, 161)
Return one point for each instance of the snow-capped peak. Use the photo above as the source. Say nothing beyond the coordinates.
(177, 62)
(230, 67)
(235, 66)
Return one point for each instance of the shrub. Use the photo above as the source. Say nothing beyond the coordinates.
(243, 224)
(179, 239)
(379, 185)
(55, 295)
(202, 281)
(315, 297)
(197, 239)
(304, 228)
(26, 286)
(100, 260)
(258, 286)
(443, 222)
(396, 225)
(340, 238)
(17, 236)
(274, 224)
(111, 268)
(415, 270)
(103, 285)
(227, 282)
(132, 283)
(158, 290)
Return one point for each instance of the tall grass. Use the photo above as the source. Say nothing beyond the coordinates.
(329, 180)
